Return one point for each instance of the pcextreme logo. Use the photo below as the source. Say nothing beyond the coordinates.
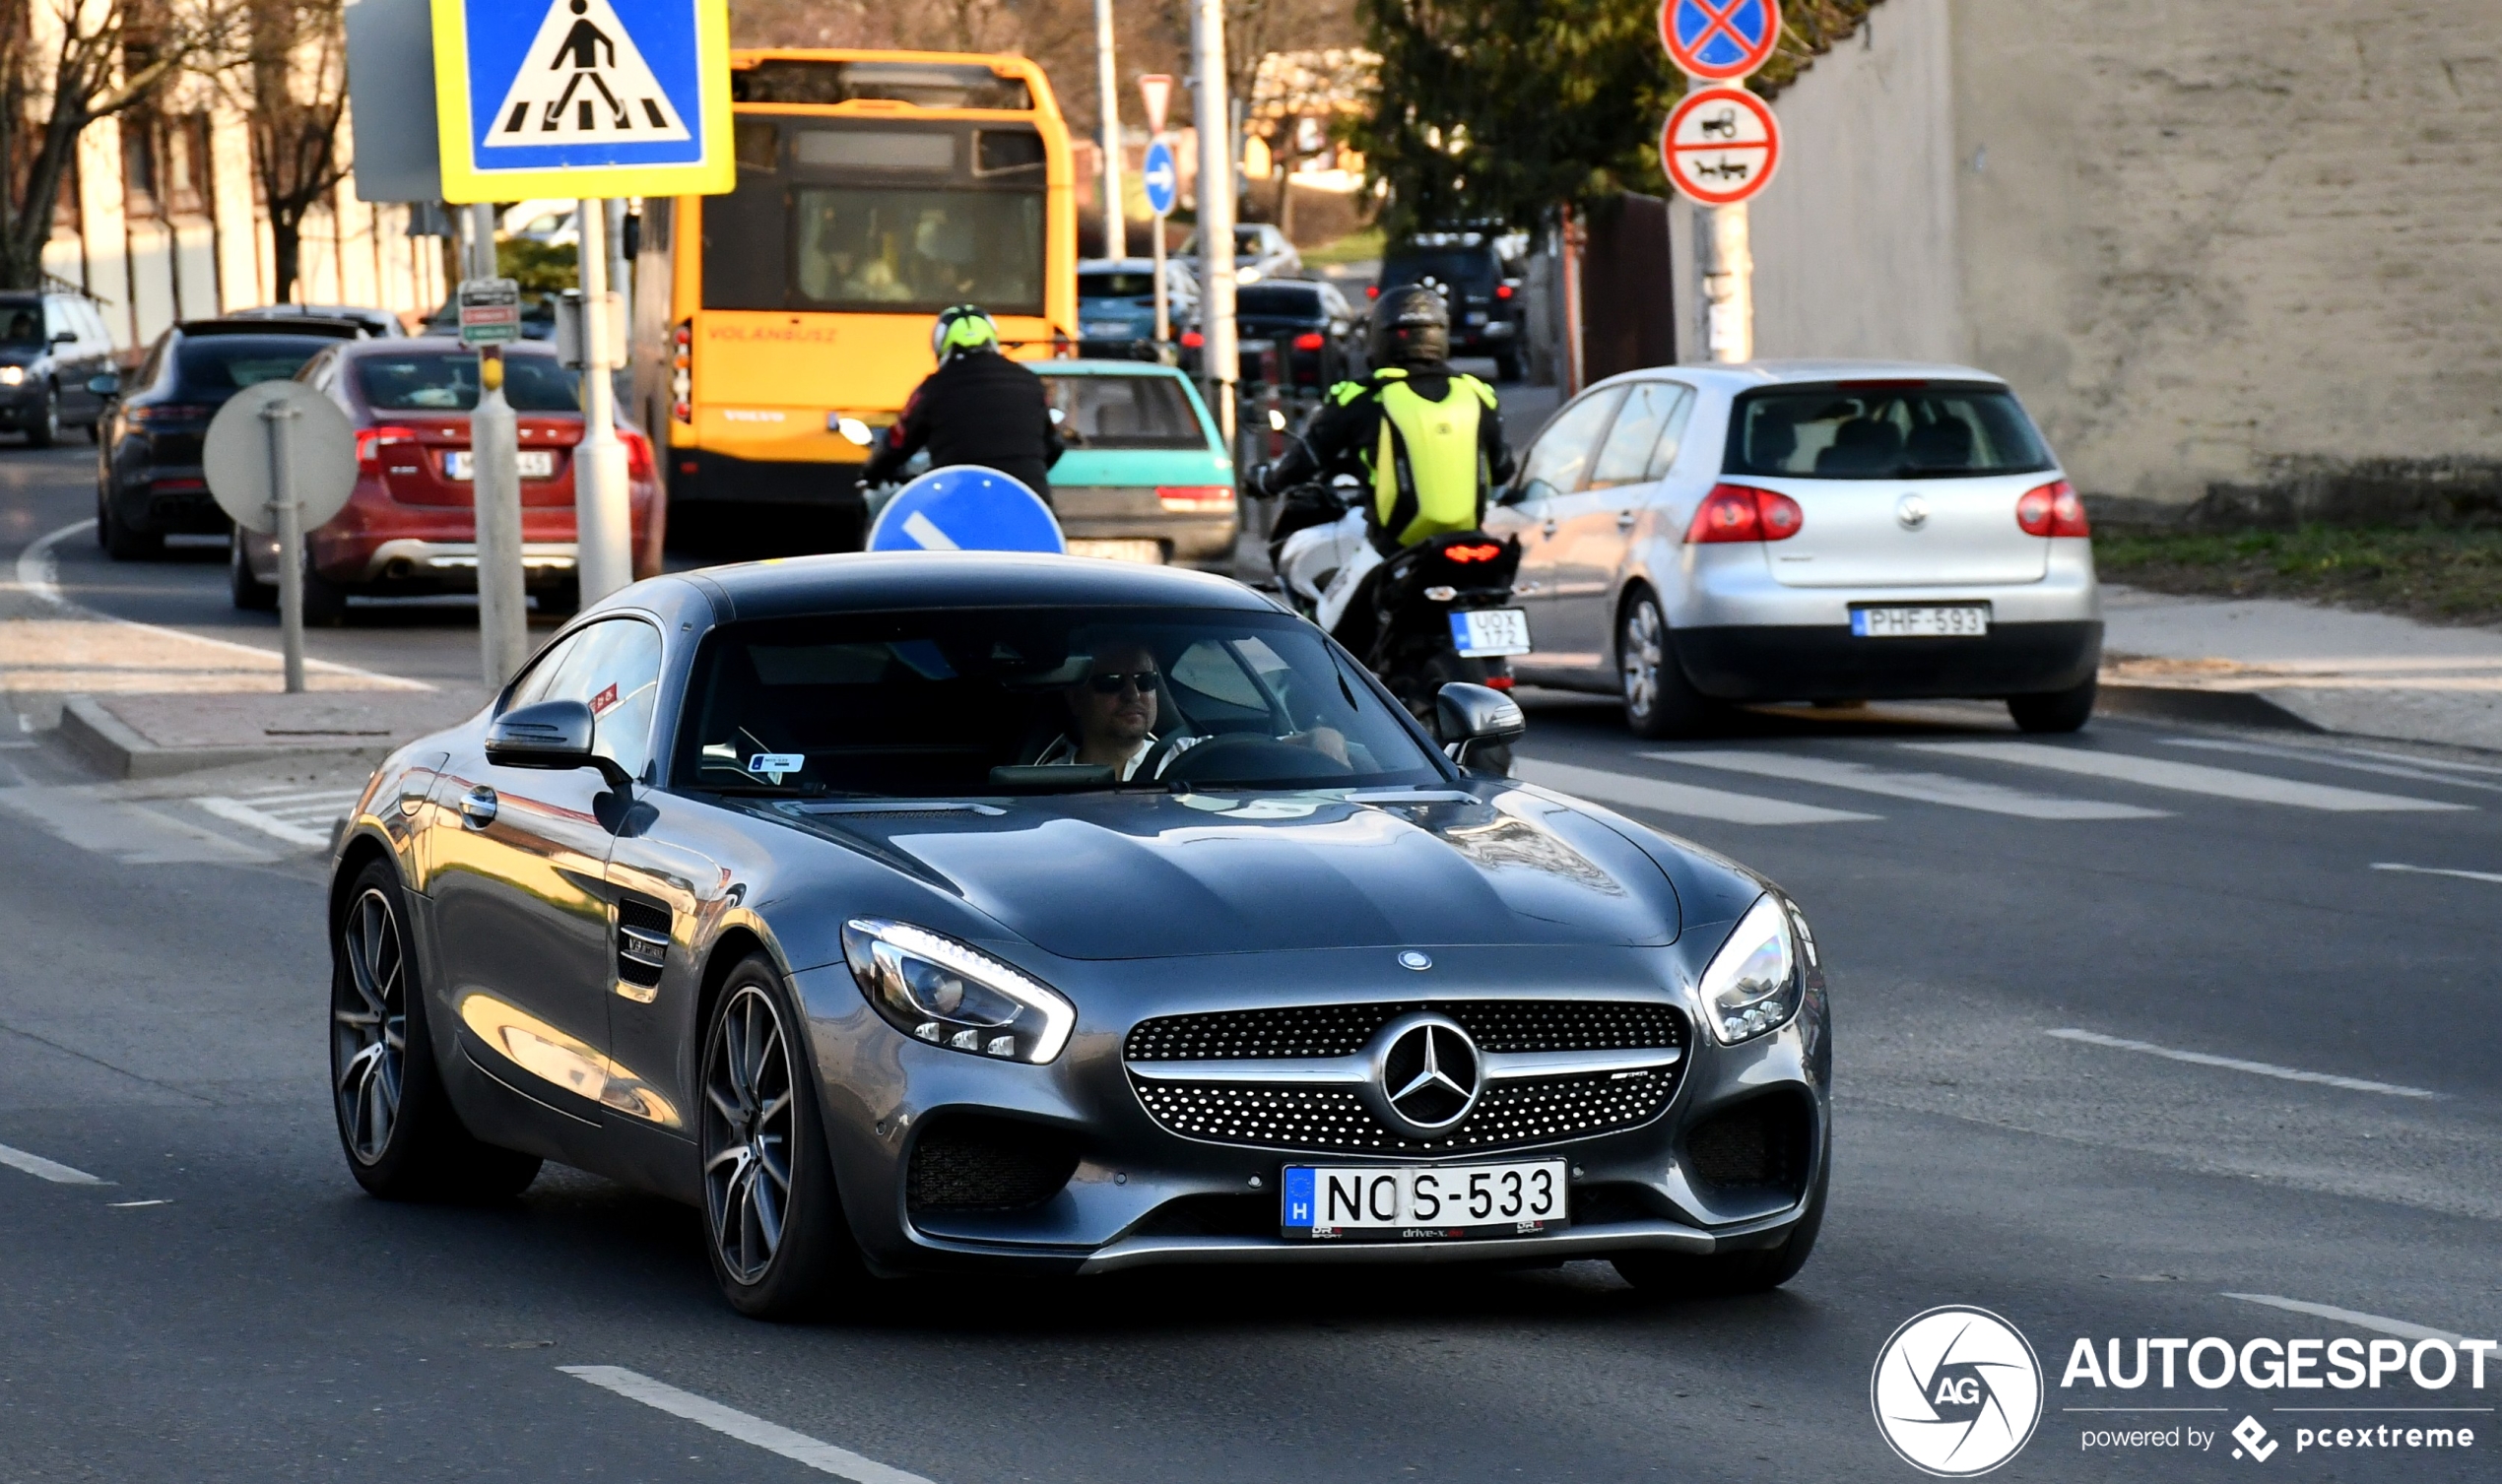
(1956, 1391)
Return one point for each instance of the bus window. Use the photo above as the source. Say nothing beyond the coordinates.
(878, 149)
(918, 250)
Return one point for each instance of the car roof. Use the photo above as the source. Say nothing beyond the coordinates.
(323, 329)
(1118, 265)
(1751, 375)
(404, 345)
(884, 581)
(1104, 368)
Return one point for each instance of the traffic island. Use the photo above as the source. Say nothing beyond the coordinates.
(154, 735)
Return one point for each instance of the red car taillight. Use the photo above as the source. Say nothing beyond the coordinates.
(1372, 290)
(1194, 499)
(1309, 340)
(1738, 512)
(2052, 510)
(369, 441)
(639, 461)
(1502, 291)
(146, 415)
(1192, 339)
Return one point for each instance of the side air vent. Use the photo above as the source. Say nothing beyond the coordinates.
(971, 1163)
(642, 945)
(1762, 1144)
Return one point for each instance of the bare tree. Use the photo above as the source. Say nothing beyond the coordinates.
(67, 64)
(294, 61)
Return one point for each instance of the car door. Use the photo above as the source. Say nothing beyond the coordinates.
(1598, 525)
(67, 356)
(1549, 480)
(521, 899)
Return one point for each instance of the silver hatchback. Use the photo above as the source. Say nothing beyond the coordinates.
(1803, 531)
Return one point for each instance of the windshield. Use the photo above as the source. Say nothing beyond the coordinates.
(1124, 411)
(446, 381)
(1884, 431)
(1458, 265)
(227, 363)
(1116, 286)
(992, 701)
(1280, 303)
(21, 325)
(862, 248)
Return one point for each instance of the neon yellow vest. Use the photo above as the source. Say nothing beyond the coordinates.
(1428, 476)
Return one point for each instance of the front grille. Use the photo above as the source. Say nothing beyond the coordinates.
(1341, 1030)
(1334, 1119)
(984, 1164)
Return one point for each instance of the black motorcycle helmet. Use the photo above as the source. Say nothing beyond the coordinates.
(1410, 326)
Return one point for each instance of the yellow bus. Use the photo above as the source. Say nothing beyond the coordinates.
(779, 328)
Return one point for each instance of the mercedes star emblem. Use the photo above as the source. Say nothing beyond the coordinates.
(1425, 1075)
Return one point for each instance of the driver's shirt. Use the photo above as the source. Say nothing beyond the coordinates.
(1064, 749)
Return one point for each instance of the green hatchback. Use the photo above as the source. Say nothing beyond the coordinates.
(1145, 476)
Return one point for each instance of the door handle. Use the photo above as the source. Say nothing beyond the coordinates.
(478, 806)
(1624, 520)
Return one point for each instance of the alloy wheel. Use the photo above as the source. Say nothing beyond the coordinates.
(748, 1117)
(1640, 656)
(369, 1026)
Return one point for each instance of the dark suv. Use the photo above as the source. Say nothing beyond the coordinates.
(148, 480)
(52, 346)
(1465, 268)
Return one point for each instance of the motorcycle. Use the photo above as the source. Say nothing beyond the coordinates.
(1420, 618)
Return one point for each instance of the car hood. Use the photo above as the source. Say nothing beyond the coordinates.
(1140, 876)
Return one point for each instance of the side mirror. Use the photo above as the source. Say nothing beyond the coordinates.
(1469, 717)
(65, 337)
(552, 735)
(106, 385)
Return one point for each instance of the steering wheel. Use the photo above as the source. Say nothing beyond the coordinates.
(1250, 758)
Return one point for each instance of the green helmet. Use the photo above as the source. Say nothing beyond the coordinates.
(966, 327)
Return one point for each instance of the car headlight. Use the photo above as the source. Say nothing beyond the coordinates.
(11, 375)
(953, 995)
(1753, 983)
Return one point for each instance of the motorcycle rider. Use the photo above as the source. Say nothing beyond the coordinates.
(977, 407)
(1427, 441)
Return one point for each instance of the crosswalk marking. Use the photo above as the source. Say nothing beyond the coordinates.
(2184, 777)
(1676, 798)
(299, 818)
(1926, 788)
(2328, 760)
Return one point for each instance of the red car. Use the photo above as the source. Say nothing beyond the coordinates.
(410, 527)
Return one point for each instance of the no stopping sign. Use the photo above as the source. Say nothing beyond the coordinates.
(1720, 145)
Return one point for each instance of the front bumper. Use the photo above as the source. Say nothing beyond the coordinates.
(1139, 1193)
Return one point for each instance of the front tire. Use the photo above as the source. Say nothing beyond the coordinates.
(45, 430)
(1659, 702)
(2059, 711)
(403, 1138)
(776, 1232)
(249, 593)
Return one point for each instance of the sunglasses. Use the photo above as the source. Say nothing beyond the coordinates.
(1112, 681)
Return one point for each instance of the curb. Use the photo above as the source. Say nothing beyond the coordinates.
(2214, 708)
(104, 740)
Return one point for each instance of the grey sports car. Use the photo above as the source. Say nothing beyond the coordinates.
(949, 910)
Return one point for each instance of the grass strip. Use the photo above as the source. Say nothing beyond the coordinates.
(2442, 575)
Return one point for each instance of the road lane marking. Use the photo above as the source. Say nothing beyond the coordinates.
(772, 1437)
(2186, 777)
(2328, 760)
(2235, 1064)
(268, 822)
(2358, 1320)
(38, 574)
(44, 1169)
(1675, 798)
(2438, 871)
(1924, 788)
(132, 1205)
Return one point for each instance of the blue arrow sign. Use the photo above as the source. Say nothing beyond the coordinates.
(1162, 178)
(604, 97)
(965, 507)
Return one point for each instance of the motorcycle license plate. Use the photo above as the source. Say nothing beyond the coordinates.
(1490, 631)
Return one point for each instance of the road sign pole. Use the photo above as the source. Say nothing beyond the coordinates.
(1729, 299)
(1164, 308)
(1219, 353)
(494, 453)
(603, 511)
(1116, 228)
(289, 513)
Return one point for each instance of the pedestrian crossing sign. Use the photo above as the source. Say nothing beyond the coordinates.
(586, 98)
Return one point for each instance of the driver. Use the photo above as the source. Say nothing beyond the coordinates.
(1113, 712)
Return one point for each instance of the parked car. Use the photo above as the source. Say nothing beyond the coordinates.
(381, 324)
(52, 346)
(774, 891)
(410, 527)
(1116, 304)
(1260, 251)
(1803, 531)
(1469, 272)
(1145, 476)
(148, 480)
(1318, 336)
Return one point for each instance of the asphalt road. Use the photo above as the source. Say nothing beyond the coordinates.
(229, 1307)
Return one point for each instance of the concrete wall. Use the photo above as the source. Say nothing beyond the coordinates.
(1855, 237)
